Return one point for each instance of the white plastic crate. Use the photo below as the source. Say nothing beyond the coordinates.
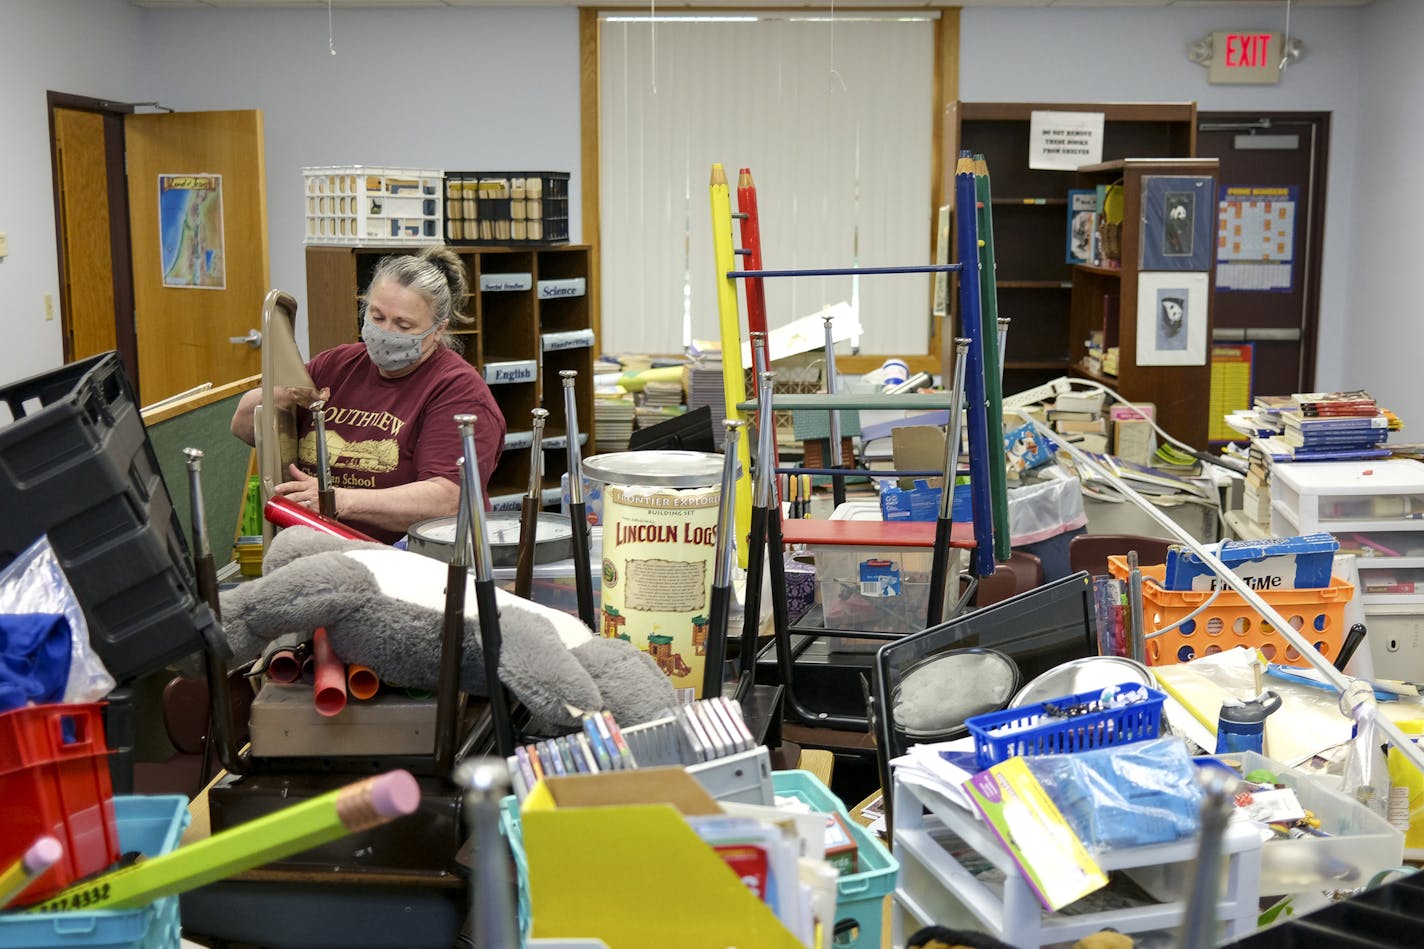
(1341, 496)
(361, 205)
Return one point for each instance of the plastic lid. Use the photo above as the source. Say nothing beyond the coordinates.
(664, 469)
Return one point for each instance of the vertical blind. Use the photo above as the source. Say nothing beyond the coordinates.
(832, 115)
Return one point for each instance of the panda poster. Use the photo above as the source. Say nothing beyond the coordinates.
(1178, 217)
(1171, 319)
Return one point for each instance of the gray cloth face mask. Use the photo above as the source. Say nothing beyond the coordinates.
(391, 351)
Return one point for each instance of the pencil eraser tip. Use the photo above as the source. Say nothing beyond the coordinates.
(43, 853)
(395, 793)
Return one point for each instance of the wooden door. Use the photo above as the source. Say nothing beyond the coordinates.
(1272, 301)
(198, 226)
(86, 258)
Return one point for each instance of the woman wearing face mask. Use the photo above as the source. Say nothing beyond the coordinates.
(391, 401)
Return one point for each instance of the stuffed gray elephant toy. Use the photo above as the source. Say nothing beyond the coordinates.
(384, 608)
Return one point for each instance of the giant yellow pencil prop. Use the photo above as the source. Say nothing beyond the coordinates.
(734, 386)
(355, 807)
(43, 854)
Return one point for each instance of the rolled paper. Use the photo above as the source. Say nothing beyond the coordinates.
(41, 855)
(362, 681)
(329, 690)
(355, 807)
(285, 513)
(284, 667)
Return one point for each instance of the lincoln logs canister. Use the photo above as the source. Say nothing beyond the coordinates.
(659, 542)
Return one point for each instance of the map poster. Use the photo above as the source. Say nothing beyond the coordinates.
(190, 231)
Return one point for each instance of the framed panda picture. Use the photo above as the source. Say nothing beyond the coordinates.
(1178, 222)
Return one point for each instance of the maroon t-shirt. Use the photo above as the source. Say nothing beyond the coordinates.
(382, 433)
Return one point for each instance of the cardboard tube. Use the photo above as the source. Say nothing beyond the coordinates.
(329, 691)
(284, 667)
(362, 681)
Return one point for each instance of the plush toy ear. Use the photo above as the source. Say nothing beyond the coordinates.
(294, 542)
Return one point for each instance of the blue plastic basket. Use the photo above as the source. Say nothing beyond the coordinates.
(858, 895)
(1030, 730)
(149, 825)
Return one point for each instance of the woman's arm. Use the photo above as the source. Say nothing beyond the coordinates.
(393, 509)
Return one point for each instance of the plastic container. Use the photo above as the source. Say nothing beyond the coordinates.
(1341, 496)
(881, 589)
(150, 825)
(360, 205)
(507, 207)
(76, 464)
(1230, 621)
(1361, 843)
(54, 779)
(1029, 730)
(858, 895)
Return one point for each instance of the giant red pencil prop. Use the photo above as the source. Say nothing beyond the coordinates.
(287, 513)
(751, 247)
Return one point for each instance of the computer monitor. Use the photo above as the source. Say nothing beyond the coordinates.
(1038, 629)
(690, 431)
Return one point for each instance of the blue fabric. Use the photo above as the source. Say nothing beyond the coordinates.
(1124, 795)
(34, 658)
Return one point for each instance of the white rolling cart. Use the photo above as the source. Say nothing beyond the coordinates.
(1378, 507)
(934, 888)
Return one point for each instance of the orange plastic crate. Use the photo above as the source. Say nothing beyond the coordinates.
(1230, 621)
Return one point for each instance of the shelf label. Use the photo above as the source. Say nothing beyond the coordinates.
(573, 339)
(507, 502)
(505, 282)
(556, 289)
(513, 440)
(560, 442)
(519, 370)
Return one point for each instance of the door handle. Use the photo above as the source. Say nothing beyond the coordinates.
(253, 339)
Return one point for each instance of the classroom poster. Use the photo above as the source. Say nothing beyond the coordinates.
(1176, 222)
(190, 231)
(1171, 319)
(1255, 244)
(1230, 388)
(1082, 226)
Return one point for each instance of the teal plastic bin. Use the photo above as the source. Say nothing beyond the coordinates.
(859, 895)
(149, 825)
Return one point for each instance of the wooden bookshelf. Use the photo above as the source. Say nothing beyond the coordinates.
(1030, 216)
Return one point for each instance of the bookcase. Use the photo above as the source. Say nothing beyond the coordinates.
(1030, 216)
(1107, 299)
(531, 308)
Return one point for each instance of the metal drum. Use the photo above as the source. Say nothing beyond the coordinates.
(435, 537)
(1083, 675)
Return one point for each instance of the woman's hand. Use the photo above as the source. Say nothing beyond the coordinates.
(288, 397)
(301, 490)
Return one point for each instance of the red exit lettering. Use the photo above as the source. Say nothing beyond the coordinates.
(1246, 50)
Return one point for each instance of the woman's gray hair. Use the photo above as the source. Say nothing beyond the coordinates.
(438, 275)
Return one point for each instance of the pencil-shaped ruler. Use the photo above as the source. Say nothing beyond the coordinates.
(356, 807)
(734, 386)
(42, 854)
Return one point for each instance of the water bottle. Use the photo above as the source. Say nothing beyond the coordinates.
(1242, 725)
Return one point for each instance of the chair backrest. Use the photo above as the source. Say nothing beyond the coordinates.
(185, 711)
(1090, 552)
(1022, 572)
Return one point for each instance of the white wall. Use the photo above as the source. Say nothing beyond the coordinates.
(84, 47)
(1384, 332)
(1113, 55)
(478, 89)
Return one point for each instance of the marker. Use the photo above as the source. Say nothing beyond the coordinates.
(355, 807)
(43, 854)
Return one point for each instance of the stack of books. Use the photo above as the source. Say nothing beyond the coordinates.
(1078, 417)
(1330, 426)
(613, 418)
(702, 382)
(1256, 492)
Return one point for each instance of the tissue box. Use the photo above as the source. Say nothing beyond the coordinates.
(921, 503)
(1274, 563)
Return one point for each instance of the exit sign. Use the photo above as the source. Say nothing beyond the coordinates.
(1245, 57)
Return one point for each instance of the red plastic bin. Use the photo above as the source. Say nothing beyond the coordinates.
(54, 779)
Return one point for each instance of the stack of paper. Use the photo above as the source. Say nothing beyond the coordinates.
(613, 419)
(703, 384)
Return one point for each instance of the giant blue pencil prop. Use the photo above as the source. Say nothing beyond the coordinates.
(993, 357)
(966, 197)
